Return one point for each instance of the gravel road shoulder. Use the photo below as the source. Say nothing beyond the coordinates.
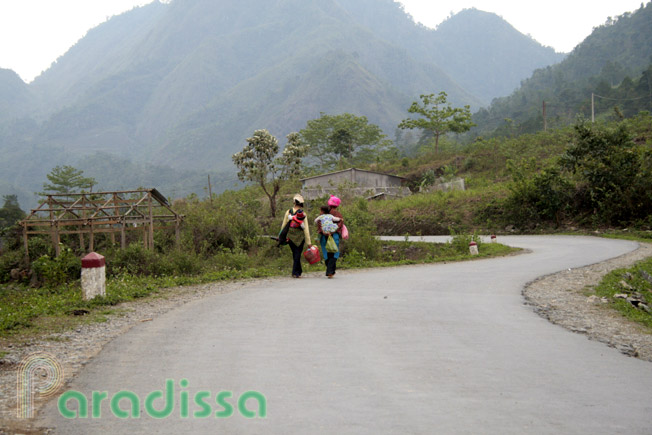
(561, 299)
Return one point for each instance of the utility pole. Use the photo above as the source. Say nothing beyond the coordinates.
(545, 124)
(210, 190)
(592, 107)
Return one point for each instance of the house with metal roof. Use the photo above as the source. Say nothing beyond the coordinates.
(358, 182)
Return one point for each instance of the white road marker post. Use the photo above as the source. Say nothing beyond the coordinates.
(93, 276)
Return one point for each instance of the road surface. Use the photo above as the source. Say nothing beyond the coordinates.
(445, 348)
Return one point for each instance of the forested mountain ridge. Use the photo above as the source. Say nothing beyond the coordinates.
(500, 56)
(613, 63)
(482, 52)
(183, 84)
(16, 98)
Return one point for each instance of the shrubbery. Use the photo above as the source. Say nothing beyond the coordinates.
(58, 270)
(229, 222)
(603, 178)
(360, 223)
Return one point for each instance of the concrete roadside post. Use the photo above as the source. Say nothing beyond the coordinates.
(493, 238)
(93, 276)
(473, 248)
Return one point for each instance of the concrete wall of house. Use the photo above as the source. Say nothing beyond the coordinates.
(359, 178)
(327, 180)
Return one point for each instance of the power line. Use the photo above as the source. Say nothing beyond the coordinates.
(620, 99)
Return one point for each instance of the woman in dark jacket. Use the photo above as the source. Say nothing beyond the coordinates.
(330, 257)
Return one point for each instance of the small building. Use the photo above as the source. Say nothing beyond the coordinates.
(447, 186)
(358, 182)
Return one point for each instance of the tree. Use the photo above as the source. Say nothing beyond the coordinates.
(66, 179)
(438, 117)
(612, 172)
(334, 140)
(258, 162)
(10, 213)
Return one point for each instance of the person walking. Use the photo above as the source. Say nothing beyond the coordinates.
(331, 257)
(298, 233)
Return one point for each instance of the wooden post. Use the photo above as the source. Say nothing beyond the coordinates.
(177, 234)
(56, 239)
(25, 242)
(123, 235)
(82, 243)
(210, 190)
(116, 213)
(151, 221)
(53, 231)
(91, 244)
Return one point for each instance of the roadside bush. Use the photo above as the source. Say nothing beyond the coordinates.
(362, 230)
(134, 260)
(535, 197)
(184, 263)
(39, 247)
(8, 261)
(59, 270)
(210, 227)
(460, 242)
(612, 171)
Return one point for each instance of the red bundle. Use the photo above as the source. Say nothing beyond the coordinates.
(312, 255)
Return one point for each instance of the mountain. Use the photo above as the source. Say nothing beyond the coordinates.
(181, 85)
(614, 62)
(485, 54)
(16, 98)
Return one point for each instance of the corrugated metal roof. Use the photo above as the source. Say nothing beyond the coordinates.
(349, 170)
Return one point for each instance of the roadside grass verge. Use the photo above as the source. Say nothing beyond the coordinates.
(634, 235)
(636, 284)
(437, 213)
(28, 312)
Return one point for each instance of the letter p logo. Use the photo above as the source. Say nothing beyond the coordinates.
(38, 373)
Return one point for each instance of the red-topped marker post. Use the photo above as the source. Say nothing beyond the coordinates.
(93, 276)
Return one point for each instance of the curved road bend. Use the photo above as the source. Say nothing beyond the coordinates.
(445, 348)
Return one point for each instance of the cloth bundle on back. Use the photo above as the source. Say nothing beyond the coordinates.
(330, 254)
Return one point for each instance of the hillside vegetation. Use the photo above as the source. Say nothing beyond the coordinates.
(614, 63)
(586, 176)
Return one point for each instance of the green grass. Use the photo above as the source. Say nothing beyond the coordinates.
(435, 213)
(39, 311)
(612, 285)
(634, 235)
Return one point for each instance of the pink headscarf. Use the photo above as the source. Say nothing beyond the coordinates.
(334, 201)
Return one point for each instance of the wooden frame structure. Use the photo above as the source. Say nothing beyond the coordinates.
(102, 212)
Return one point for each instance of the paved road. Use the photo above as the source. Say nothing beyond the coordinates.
(446, 348)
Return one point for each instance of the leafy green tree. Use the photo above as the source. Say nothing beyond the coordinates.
(439, 117)
(336, 140)
(612, 172)
(66, 179)
(10, 213)
(258, 162)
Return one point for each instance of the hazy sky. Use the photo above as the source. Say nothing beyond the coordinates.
(34, 33)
